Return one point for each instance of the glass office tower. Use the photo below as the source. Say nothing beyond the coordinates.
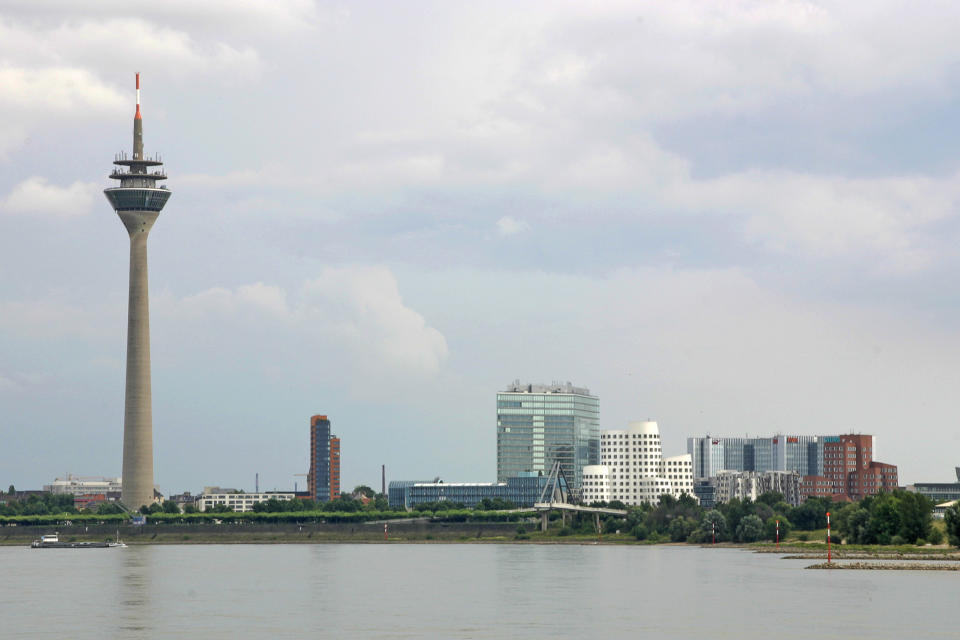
(803, 454)
(539, 424)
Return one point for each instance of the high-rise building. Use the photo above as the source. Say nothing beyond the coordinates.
(323, 480)
(334, 467)
(138, 201)
(802, 454)
(633, 470)
(849, 470)
(540, 424)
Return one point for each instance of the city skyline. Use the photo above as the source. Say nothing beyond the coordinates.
(380, 219)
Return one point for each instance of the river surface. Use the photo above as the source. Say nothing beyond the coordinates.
(459, 591)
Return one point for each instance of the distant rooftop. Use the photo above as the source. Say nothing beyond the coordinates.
(554, 387)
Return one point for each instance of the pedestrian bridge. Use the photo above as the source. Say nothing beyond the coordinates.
(555, 496)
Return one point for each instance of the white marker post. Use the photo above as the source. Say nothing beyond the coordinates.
(828, 537)
(778, 535)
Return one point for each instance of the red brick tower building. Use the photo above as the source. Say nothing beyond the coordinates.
(849, 470)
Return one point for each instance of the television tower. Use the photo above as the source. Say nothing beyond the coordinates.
(138, 201)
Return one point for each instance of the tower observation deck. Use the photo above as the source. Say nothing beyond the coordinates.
(138, 201)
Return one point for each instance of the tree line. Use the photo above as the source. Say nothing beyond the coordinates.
(900, 517)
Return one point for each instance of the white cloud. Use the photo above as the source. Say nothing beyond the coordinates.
(56, 90)
(508, 226)
(884, 220)
(354, 316)
(249, 17)
(37, 197)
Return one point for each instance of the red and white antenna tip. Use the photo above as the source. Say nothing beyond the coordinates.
(137, 117)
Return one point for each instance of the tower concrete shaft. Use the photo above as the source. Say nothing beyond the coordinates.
(138, 202)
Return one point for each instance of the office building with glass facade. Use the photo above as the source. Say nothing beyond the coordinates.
(540, 424)
(939, 492)
(523, 491)
(323, 479)
(711, 455)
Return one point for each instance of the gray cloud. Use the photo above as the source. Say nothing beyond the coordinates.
(735, 217)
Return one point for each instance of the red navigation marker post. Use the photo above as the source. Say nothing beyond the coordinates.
(828, 537)
(778, 535)
(385, 531)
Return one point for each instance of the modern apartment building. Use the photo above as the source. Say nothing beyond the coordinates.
(753, 484)
(323, 479)
(633, 470)
(540, 424)
(849, 470)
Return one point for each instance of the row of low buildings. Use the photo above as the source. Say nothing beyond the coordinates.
(837, 466)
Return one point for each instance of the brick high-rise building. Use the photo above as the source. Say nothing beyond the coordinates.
(323, 480)
(334, 467)
(849, 470)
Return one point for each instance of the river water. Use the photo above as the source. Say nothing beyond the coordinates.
(459, 591)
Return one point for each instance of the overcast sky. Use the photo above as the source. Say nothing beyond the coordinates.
(733, 218)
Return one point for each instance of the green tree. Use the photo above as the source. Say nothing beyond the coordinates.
(169, 506)
(711, 519)
(189, 508)
(343, 503)
(771, 498)
(857, 528)
(771, 527)
(750, 529)
(364, 490)
(811, 515)
(11, 489)
(916, 515)
(109, 508)
(952, 519)
(681, 528)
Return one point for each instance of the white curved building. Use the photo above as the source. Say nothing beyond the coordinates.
(633, 470)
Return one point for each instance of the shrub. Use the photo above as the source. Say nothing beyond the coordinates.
(803, 537)
(936, 536)
(750, 529)
(565, 531)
